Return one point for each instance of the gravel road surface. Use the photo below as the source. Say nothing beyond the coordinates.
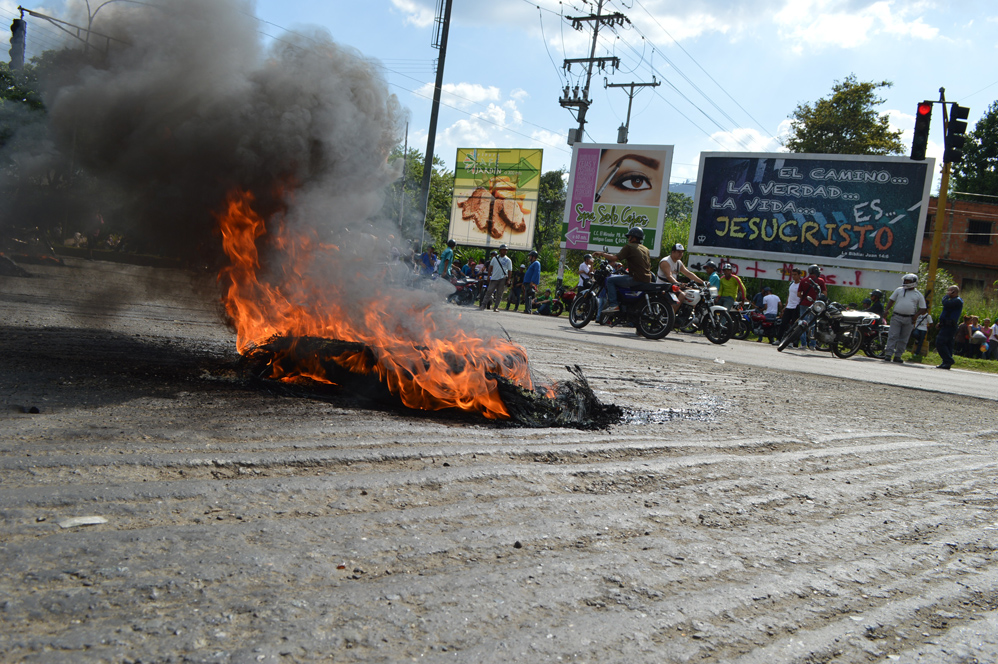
(752, 506)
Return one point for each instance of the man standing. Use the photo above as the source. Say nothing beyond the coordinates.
(638, 265)
(499, 270)
(730, 286)
(446, 260)
(810, 289)
(516, 288)
(531, 280)
(791, 313)
(671, 266)
(771, 310)
(907, 305)
(949, 320)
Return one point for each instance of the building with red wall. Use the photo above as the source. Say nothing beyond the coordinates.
(969, 248)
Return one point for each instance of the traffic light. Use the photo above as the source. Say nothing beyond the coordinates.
(923, 116)
(955, 134)
(18, 35)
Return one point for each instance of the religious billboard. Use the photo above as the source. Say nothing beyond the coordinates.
(843, 210)
(612, 188)
(495, 197)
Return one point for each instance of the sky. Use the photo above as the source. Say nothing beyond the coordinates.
(731, 73)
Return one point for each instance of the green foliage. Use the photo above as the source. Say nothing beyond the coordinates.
(20, 101)
(403, 204)
(978, 172)
(550, 212)
(847, 122)
(678, 215)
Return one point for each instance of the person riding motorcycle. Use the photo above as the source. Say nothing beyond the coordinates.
(713, 278)
(638, 265)
(876, 302)
(671, 265)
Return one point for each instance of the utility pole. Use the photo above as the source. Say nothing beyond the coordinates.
(440, 42)
(583, 102)
(626, 127)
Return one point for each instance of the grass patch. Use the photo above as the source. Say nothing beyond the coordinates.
(933, 359)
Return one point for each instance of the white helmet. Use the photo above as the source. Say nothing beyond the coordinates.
(909, 281)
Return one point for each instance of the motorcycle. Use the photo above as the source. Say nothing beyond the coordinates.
(466, 291)
(763, 327)
(875, 336)
(741, 315)
(842, 331)
(647, 306)
(563, 299)
(698, 312)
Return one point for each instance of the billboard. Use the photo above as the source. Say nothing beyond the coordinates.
(611, 188)
(495, 197)
(842, 210)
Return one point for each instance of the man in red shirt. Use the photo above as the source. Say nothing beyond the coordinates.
(810, 289)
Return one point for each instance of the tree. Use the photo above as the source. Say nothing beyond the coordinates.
(551, 196)
(845, 123)
(403, 204)
(978, 172)
(20, 102)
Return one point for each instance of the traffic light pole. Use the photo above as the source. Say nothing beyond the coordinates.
(937, 231)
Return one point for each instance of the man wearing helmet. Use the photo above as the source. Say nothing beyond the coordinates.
(638, 266)
(876, 302)
(730, 288)
(811, 287)
(907, 305)
(713, 278)
(499, 269)
(446, 260)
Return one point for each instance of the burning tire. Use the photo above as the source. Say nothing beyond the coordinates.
(655, 320)
(583, 310)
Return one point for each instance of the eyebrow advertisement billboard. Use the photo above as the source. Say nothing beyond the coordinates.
(843, 210)
(612, 188)
(495, 197)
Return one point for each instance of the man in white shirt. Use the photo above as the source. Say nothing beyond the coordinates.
(585, 270)
(499, 269)
(907, 305)
(670, 267)
(771, 309)
(791, 312)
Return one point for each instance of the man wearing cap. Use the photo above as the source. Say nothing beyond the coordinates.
(516, 287)
(671, 266)
(638, 266)
(730, 287)
(499, 269)
(531, 280)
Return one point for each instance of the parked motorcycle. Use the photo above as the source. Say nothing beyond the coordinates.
(763, 327)
(741, 316)
(563, 299)
(698, 312)
(875, 336)
(466, 290)
(843, 331)
(647, 306)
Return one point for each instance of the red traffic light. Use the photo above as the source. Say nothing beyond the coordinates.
(925, 108)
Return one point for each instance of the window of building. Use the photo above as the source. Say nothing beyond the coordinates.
(972, 284)
(978, 232)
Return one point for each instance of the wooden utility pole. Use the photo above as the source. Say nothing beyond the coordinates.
(443, 27)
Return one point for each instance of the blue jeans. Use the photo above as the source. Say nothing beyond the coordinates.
(615, 282)
(944, 343)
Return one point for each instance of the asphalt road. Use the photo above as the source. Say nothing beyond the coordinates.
(820, 510)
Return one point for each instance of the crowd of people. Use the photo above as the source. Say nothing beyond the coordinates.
(905, 308)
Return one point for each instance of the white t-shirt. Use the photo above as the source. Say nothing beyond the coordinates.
(501, 266)
(923, 321)
(675, 266)
(907, 302)
(793, 300)
(772, 304)
(584, 272)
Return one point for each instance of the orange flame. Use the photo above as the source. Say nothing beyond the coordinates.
(429, 366)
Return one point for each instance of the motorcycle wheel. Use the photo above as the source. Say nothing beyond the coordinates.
(583, 310)
(740, 328)
(557, 308)
(788, 338)
(847, 344)
(655, 320)
(464, 297)
(720, 328)
(876, 345)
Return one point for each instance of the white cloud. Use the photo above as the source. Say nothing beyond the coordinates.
(819, 24)
(746, 140)
(462, 95)
(416, 13)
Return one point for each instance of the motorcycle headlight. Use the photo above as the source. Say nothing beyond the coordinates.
(713, 291)
(818, 307)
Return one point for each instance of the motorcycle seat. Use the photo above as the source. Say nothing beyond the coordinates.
(653, 287)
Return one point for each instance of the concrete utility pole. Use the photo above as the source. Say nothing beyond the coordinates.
(626, 127)
(583, 102)
(440, 42)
